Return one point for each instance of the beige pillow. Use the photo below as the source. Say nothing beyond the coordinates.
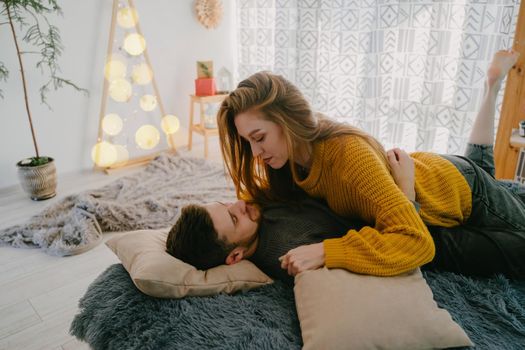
(338, 309)
(157, 273)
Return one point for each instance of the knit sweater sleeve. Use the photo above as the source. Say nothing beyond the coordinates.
(398, 241)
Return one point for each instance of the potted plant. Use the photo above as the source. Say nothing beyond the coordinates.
(37, 174)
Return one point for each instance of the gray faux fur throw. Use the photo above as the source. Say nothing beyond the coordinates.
(148, 199)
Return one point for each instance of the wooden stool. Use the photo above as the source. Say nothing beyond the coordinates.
(199, 127)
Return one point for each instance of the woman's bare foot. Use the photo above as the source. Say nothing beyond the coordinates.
(502, 62)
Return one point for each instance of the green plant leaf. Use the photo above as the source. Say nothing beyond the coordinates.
(36, 161)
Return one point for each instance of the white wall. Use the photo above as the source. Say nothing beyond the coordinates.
(175, 42)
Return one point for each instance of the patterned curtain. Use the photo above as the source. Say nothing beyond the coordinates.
(411, 73)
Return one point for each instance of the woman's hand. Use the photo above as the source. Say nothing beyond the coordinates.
(403, 171)
(305, 257)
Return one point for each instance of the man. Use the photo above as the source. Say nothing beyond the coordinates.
(217, 233)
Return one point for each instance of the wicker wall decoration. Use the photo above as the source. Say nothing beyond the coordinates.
(209, 12)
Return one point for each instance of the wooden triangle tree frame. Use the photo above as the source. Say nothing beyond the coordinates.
(143, 159)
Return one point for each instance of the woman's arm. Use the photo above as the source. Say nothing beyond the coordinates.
(312, 256)
(399, 240)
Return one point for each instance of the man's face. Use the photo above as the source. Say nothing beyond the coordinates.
(236, 222)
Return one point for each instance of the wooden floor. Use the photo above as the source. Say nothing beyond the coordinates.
(39, 293)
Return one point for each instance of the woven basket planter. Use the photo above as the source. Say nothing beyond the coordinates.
(39, 182)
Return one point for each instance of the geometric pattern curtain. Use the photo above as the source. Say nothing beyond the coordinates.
(411, 73)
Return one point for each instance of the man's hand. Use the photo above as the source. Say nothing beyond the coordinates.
(305, 257)
(403, 171)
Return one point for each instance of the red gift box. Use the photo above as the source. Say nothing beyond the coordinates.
(205, 86)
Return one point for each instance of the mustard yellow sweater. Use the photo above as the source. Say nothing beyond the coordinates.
(355, 183)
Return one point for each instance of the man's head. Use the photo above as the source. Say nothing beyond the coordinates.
(214, 234)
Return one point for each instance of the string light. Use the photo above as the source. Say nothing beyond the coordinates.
(170, 124)
(112, 124)
(134, 44)
(120, 90)
(104, 154)
(115, 68)
(142, 74)
(114, 147)
(147, 137)
(127, 17)
(148, 103)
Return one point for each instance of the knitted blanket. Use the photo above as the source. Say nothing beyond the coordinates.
(148, 199)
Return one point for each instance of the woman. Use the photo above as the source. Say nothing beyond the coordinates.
(273, 145)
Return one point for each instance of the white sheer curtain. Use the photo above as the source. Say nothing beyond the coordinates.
(411, 73)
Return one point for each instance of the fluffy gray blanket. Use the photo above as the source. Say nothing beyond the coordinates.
(148, 199)
(114, 314)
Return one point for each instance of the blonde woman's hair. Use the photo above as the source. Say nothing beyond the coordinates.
(281, 102)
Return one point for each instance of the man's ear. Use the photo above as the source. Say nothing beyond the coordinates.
(236, 255)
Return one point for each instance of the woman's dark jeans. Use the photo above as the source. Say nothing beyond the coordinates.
(493, 238)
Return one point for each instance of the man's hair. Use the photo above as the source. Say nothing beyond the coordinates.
(194, 240)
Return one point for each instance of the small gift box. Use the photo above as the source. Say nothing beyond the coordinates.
(205, 82)
(205, 86)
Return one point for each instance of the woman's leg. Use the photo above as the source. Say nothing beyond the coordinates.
(480, 147)
(483, 156)
(483, 129)
(476, 251)
(481, 140)
(493, 239)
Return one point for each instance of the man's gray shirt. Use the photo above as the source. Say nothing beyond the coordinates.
(287, 226)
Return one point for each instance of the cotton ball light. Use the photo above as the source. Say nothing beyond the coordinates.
(147, 137)
(170, 124)
(104, 154)
(112, 124)
(115, 68)
(134, 44)
(142, 74)
(127, 17)
(148, 102)
(120, 90)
